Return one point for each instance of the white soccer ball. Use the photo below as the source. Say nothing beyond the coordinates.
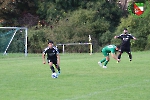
(54, 75)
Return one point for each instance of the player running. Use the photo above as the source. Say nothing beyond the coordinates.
(52, 57)
(125, 45)
(106, 50)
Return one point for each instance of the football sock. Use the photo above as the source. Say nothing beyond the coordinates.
(130, 56)
(106, 62)
(104, 59)
(52, 68)
(119, 56)
(58, 69)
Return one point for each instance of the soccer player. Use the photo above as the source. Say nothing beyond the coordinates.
(52, 57)
(125, 45)
(106, 50)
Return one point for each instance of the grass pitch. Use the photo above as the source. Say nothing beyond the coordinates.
(81, 78)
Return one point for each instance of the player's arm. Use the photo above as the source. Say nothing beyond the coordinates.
(115, 37)
(134, 38)
(58, 56)
(58, 59)
(43, 57)
(114, 56)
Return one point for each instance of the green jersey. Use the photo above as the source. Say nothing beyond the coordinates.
(109, 49)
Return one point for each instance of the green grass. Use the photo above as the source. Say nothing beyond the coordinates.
(26, 78)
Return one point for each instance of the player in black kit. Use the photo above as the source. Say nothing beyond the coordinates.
(125, 45)
(52, 57)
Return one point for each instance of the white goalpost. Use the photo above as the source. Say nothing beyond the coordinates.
(63, 45)
(12, 31)
(67, 44)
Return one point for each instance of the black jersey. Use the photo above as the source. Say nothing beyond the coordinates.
(125, 39)
(51, 52)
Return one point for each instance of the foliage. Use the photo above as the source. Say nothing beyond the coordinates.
(13, 12)
(38, 39)
(75, 25)
(69, 21)
(138, 27)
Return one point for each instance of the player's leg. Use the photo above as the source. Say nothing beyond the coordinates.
(105, 54)
(103, 60)
(130, 56)
(106, 61)
(120, 52)
(129, 53)
(57, 66)
(51, 66)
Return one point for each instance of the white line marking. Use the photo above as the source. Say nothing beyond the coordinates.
(107, 90)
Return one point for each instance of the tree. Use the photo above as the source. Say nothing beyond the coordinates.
(11, 11)
(139, 27)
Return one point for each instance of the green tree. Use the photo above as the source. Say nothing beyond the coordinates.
(138, 26)
(13, 11)
(97, 18)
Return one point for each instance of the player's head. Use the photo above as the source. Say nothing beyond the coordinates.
(117, 47)
(125, 31)
(50, 44)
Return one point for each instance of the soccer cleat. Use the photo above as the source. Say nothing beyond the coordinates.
(104, 67)
(130, 59)
(118, 61)
(100, 64)
(58, 73)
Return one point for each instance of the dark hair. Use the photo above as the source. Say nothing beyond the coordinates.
(50, 41)
(125, 29)
(118, 46)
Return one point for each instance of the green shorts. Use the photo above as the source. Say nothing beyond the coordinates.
(105, 53)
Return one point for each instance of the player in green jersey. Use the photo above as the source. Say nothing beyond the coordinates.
(110, 49)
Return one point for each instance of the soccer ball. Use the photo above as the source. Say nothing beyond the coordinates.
(54, 75)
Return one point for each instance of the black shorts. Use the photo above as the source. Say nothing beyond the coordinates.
(125, 49)
(54, 61)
